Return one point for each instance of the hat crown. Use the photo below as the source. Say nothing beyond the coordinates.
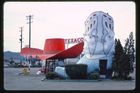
(54, 45)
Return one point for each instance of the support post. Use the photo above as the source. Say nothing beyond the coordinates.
(29, 18)
(21, 39)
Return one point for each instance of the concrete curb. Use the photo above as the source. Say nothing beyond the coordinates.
(49, 80)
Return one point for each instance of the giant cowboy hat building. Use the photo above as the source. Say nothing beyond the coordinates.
(54, 49)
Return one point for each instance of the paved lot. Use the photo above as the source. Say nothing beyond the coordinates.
(14, 81)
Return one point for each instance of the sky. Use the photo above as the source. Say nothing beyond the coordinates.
(61, 20)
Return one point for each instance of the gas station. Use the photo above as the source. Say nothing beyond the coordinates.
(96, 46)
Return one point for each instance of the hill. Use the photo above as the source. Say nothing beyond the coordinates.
(15, 55)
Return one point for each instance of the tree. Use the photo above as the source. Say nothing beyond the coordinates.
(130, 50)
(118, 59)
(124, 58)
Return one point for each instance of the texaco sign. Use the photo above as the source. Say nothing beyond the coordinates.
(73, 40)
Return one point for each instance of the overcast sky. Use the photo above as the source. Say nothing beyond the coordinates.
(61, 20)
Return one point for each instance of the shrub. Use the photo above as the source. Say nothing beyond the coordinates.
(122, 78)
(94, 75)
(51, 75)
(109, 73)
(129, 78)
(16, 65)
(76, 71)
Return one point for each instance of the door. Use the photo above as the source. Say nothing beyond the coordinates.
(103, 67)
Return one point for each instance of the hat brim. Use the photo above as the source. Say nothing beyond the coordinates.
(71, 52)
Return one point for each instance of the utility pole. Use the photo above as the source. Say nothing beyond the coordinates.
(21, 39)
(30, 17)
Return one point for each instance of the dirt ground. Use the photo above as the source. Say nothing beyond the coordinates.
(14, 81)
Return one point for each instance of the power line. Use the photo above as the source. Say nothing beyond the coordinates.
(30, 17)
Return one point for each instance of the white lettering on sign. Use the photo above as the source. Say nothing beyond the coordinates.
(73, 40)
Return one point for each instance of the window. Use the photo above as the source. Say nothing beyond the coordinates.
(94, 22)
(94, 15)
(104, 15)
(110, 26)
(109, 19)
(90, 26)
(106, 24)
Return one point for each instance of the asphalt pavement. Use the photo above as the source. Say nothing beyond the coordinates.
(14, 81)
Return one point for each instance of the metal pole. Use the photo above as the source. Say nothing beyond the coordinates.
(29, 31)
(29, 18)
(21, 38)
